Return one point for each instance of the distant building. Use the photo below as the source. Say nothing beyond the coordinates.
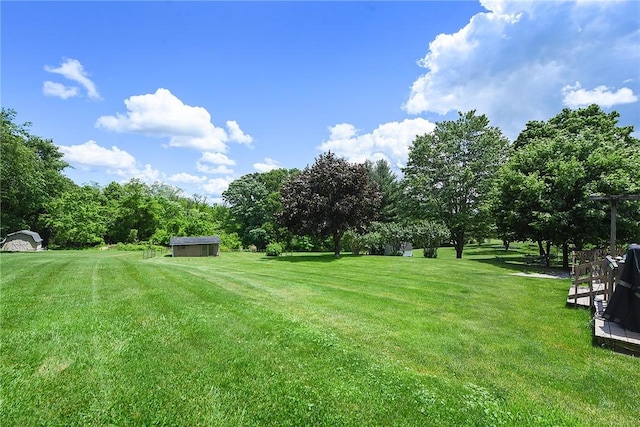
(22, 241)
(195, 246)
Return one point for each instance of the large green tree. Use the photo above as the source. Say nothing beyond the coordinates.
(381, 173)
(77, 218)
(134, 212)
(329, 198)
(30, 176)
(450, 173)
(543, 191)
(254, 200)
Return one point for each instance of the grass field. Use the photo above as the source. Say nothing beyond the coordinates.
(107, 338)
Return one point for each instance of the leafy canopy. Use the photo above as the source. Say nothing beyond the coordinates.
(30, 176)
(543, 190)
(450, 173)
(329, 198)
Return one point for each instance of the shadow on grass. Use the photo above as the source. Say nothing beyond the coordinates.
(489, 251)
(310, 257)
(516, 263)
(515, 259)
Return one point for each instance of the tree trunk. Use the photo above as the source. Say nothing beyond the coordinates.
(336, 243)
(565, 255)
(459, 242)
(540, 248)
(548, 254)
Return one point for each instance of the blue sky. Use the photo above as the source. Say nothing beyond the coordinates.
(197, 94)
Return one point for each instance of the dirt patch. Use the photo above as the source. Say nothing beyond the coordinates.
(53, 366)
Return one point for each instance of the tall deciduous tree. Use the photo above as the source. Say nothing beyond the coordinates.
(253, 201)
(77, 218)
(450, 172)
(134, 212)
(30, 176)
(329, 198)
(543, 190)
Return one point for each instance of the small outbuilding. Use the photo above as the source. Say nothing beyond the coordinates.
(195, 246)
(22, 241)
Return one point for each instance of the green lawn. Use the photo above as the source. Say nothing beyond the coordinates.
(107, 338)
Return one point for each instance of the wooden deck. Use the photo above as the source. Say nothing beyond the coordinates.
(594, 282)
(611, 335)
(605, 333)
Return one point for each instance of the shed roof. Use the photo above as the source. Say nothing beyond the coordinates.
(36, 237)
(184, 241)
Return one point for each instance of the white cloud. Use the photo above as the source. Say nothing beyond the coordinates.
(267, 165)
(186, 178)
(216, 159)
(216, 186)
(148, 174)
(92, 154)
(114, 160)
(162, 114)
(58, 89)
(513, 61)
(236, 134)
(575, 96)
(219, 159)
(217, 170)
(389, 141)
(73, 70)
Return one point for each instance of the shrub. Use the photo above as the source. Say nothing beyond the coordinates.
(274, 249)
(161, 237)
(375, 242)
(430, 252)
(258, 237)
(355, 242)
(301, 244)
(230, 241)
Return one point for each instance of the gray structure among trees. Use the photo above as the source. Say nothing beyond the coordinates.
(195, 246)
(22, 241)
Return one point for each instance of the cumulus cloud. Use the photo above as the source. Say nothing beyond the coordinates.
(116, 161)
(236, 134)
(148, 174)
(162, 114)
(575, 96)
(267, 165)
(514, 61)
(216, 186)
(216, 159)
(91, 154)
(73, 70)
(187, 178)
(389, 141)
(59, 90)
(219, 161)
(213, 170)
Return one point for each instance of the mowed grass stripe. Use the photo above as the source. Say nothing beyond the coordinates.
(458, 336)
(140, 345)
(245, 340)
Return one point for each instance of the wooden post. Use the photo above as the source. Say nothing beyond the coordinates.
(613, 201)
(612, 239)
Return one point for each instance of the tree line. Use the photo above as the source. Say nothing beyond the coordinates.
(464, 181)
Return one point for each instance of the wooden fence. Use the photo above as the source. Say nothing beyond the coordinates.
(594, 273)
